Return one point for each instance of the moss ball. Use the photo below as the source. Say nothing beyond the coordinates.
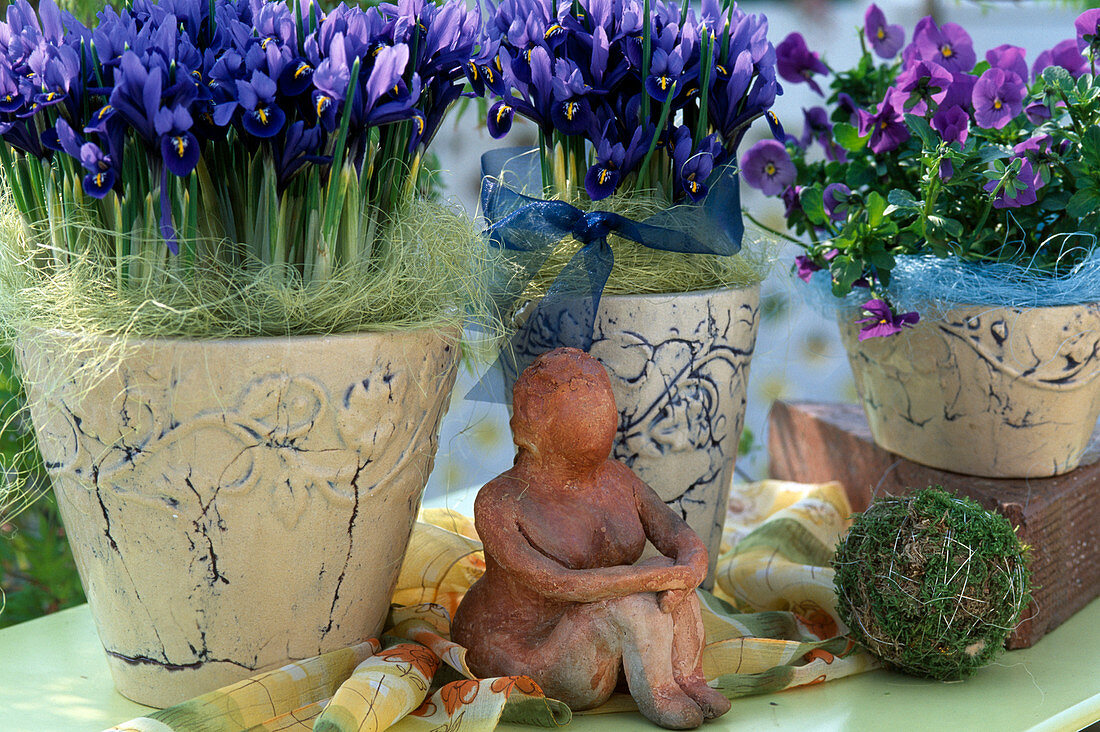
(931, 583)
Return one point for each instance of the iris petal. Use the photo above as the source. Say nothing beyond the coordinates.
(180, 152)
(600, 182)
(500, 119)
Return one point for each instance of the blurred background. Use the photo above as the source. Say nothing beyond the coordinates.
(798, 353)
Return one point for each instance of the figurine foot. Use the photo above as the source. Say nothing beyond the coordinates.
(711, 701)
(670, 708)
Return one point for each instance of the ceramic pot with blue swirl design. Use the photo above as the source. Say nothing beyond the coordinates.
(986, 391)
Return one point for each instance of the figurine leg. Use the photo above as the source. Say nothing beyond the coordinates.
(688, 639)
(578, 661)
(687, 658)
(647, 649)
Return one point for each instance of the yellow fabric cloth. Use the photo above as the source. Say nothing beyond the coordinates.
(771, 624)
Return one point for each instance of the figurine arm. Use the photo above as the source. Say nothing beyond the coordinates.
(670, 533)
(503, 538)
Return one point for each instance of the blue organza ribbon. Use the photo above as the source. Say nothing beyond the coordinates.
(528, 229)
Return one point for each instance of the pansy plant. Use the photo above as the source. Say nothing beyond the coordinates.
(938, 152)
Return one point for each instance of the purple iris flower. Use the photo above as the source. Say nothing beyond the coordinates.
(260, 115)
(1008, 58)
(301, 145)
(949, 46)
(1064, 54)
(998, 98)
(571, 111)
(693, 166)
(1026, 183)
(796, 63)
(665, 69)
(11, 100)
(923, 83)
(500, 119)
(178, 145)
(603, 177)
(101, 174)
(881, 321)
(953, 123)
(886, 125)
(1088, 29)
(768, 167)
(886, 40)
(836, 197)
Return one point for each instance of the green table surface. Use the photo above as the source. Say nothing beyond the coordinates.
(53, 676)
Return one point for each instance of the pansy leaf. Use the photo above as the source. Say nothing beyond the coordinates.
(813, 204)
(876, 208)
(1058, 78)
(848, 137)
(920, 128)
(903, 200)
(989, 153)
(1083, 203)
(1056, 201)
(1090, 145)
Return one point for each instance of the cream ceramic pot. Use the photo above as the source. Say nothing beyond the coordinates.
(679, 368)
(236, 505)
(995, 392)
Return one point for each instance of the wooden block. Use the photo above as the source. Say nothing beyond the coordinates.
(1058, 517)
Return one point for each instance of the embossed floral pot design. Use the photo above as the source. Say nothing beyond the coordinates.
(995, 392)
(679, 367)
(235, 505)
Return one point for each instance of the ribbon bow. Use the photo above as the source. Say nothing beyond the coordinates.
(529, 229)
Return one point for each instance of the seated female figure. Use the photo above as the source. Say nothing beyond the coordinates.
(562, 599)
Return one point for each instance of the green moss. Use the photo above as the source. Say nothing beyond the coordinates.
(933, 583)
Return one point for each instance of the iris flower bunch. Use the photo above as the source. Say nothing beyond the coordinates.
(629, 94)
(937, 152)
(231, 131)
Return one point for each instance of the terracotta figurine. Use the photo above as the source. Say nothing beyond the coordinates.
(562, 600)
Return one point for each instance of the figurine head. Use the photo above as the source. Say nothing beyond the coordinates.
(562, 405)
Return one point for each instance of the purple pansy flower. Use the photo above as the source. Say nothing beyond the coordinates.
(1088, 28)
(949, 46)
(1026, 183)
(768, 168)
(836, 201)
(792, 200)
(805, 267)
(817, 127)
(796, 63)
(1064, 54)
(922, 83)
(881, 321)
(998, 98)
(846, 105)
(886, 40)
(886, 125)
(947, 169)
(1008, 58)
(953, 123)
